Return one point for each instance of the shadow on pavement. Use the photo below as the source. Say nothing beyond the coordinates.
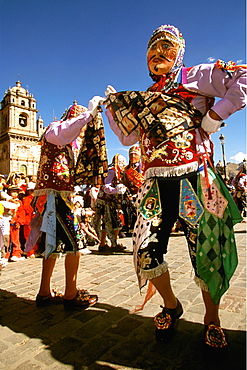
(105, 337)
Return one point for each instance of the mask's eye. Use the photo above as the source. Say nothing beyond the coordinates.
(153, 47)
(165, 45)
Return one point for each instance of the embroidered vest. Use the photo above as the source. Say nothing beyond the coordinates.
(132, 179)
(56, 169)
(175, 154)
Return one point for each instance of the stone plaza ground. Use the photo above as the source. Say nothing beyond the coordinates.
(107, 335)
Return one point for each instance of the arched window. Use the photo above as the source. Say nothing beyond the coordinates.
(23, 169)
(23, 103)
(22, 120)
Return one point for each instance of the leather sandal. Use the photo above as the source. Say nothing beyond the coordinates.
(104, 248)
(82, 300)
(53, 298)
(165, 322)
(118, 248)
(214, 336)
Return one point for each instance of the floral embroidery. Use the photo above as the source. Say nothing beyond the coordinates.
(229, 67)
(61, 167)
(183, 141)
(144, 260)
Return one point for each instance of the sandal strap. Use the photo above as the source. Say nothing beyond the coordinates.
(214, 336)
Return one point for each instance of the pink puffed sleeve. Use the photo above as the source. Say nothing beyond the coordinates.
(124, 140)
(65, 132)
(211, 81)
(108, 188)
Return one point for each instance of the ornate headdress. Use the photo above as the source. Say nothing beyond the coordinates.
(135, 149)
(116, 160)
(171, 33)
(73, 110)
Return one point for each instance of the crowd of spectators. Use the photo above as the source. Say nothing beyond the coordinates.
(16, 213)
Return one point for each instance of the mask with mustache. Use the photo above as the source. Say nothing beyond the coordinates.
(165, 54)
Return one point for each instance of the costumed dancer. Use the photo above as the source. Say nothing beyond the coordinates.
(108, 204)
(240, 193)
(132, 179)
(173, 123)
(54, 224)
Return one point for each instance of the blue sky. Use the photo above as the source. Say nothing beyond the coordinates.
(62, 50)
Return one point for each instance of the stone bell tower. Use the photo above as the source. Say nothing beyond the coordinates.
(19, 132)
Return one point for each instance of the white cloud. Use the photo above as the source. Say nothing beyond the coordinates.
(239, 157)
(239, 61)
(210, 59)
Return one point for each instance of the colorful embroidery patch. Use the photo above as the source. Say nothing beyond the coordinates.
(190, 208)
(216, 203)
(150, 205)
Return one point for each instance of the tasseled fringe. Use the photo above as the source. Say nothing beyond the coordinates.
(60, 255)
(61, 193)
(171, 171)
(202, 285)
(153, 273)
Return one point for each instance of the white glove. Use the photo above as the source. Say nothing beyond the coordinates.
(110, 90)
(94, 104)
(121, 189)
(210, 125)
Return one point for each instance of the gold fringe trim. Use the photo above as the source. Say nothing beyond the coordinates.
(171, 171)
(202, 285)
(153, 273)
(60, 255)
(61, 193)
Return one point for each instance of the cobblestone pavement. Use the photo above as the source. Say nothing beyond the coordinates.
(107, 336)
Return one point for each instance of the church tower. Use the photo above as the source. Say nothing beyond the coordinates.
(19, 132)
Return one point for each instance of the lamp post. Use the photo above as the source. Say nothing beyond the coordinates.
(222, 141)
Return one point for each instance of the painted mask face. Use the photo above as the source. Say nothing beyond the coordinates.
(134, 158)
(121, 162)
(161, 57)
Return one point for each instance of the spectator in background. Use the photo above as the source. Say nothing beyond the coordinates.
(15, 254)
(31, 181)
(28, 216)
(240, 193)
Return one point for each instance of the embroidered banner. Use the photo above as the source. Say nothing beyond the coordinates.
(162, 116)
(135, 177)
(150, 205)
(190, 208)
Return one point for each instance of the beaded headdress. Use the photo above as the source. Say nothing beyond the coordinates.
(135, 149)
(172, 34)
(73, 110)
(118, 161)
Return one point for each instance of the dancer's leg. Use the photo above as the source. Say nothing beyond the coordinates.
(71, 268)
(163, 284)
(47, 269)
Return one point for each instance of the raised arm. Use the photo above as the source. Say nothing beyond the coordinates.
(65, 132)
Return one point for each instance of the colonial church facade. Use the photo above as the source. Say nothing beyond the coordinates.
(20, 131)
